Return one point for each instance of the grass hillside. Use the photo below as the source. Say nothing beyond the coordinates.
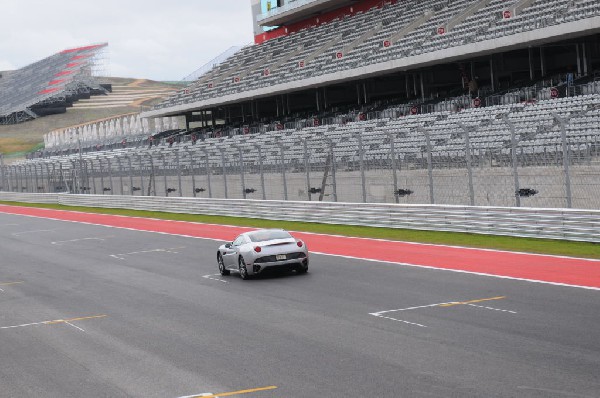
(128, 96)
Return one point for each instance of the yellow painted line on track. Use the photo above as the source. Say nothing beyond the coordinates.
(75, 319)
(472, 301)
(54, 322)
(10, 283)
(240, 392)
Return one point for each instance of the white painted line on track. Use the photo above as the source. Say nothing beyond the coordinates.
(214, 279)
(122, 256)
(60, 242)
(400, 320)
(492, 308)
(32, 232)
(351, 257)
(76, 327)
(54, 322)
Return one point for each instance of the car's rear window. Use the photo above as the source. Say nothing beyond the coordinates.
(261, 236)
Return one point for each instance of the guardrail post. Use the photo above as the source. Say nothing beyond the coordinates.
(260, 168)
(513, 150)
(394, 167)
(566, 159)
(468, 160)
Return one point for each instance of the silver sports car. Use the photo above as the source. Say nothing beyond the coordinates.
(254, 252)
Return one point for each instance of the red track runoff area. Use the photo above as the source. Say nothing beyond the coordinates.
(557, 270)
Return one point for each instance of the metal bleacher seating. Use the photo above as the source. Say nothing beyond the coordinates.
(391, 32)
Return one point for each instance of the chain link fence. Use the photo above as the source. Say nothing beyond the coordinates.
(507, 159)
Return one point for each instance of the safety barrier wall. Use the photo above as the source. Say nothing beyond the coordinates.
(565, 224)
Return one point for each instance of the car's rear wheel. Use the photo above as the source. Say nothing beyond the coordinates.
(242, 268)
(222, 268)
(302, 268)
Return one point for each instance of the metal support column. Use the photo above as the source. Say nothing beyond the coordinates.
(333, 168)
(307, 168)
(362, 167)
(178, 164)
(224, 171)
(164, 165)
(120, 174)
(515, 170)
(260, 169)
(241, 155)
(566, 159)
(282, 151)
(469, 164)
(110, 177)
(192, 172)
(429, 164)
(2, 186)
(141, 175)
(394, 167)
(208, 172)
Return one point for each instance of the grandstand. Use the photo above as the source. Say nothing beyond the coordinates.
(51, 85)
(469, 102)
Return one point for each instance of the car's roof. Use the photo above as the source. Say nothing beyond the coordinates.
(263, 230)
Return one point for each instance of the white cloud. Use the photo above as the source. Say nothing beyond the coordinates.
(154, 39)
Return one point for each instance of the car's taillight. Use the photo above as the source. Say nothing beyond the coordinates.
(299, 243)
(257, 249)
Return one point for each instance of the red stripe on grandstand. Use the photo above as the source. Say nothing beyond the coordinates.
(76, 57)
(321, 19)
(63, 73)
(57, 81)
(85, 48)
(561, 270)
(74, 64)
(49, 90)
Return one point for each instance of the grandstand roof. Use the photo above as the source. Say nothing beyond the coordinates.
(47, 81)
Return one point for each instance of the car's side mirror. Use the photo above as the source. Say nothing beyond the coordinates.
(228, 245)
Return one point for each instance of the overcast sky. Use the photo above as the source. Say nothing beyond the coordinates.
(152, 39)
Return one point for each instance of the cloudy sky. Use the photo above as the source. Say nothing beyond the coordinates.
(152, 39)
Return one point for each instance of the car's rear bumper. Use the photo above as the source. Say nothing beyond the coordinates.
(292, 264)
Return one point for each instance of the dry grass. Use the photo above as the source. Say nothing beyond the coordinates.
(25, 137)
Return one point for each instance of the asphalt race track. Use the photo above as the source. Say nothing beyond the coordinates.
(95, 311)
